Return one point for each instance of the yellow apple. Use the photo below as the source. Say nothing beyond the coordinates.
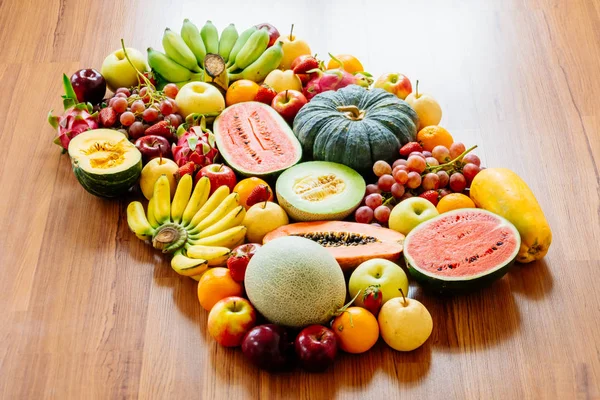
(201, 98)
(263, 218)
(411, 212)
(117, 71)
(153, 170)
(426, 107)
(283, 80)
(292, 48)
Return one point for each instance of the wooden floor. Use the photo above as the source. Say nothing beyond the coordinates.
(87, 311)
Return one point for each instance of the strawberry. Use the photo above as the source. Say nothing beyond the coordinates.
(265, 94)
(431, 195)
(162, 128)
(107, 117)
(373, 299)
(409, 148)
(239, 259)
(187, 168)
(259, 194)
(304, 63)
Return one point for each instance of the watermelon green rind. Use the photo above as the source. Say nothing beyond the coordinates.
(459, 284)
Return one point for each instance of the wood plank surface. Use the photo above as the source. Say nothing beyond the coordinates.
(87, 311)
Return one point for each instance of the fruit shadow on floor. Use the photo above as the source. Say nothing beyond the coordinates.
(533, 281)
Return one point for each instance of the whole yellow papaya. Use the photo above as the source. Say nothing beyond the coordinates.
(503, 192)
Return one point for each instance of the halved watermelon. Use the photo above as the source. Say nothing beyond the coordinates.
(255, 140)
(461, 250)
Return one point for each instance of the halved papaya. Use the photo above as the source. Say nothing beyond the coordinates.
(350, 243)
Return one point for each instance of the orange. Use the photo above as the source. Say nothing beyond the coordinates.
(246, 186)
(351, 63)
(356, 330)
(240, 91)
(434, 135)
(216, 284)
(454, 201)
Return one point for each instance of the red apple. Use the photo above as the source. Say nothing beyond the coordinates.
(153, 146)
(89, 86)
(239, 259)
(316, 348)
(230, 319)
(395, 83)
(273, 32)
(218, 175)
(288, 103)
(269, 347)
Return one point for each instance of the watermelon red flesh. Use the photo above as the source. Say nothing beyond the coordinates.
(462, 249)
(255, 140)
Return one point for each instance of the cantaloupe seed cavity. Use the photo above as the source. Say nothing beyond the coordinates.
(106, 154)
(169, 237)
(318, 188)
(337, 239)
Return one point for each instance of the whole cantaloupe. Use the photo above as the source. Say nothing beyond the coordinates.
(295, 282)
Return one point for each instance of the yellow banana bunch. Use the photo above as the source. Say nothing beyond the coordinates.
(199, 229)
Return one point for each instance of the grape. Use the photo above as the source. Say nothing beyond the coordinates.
(372, 188)
(381, 168)
(175, 106)
(382, 214)
(111, 101)
(166, 107)
(416, 153)
(441, 153)
(150, 114)
(363, 215)
(431, 181)
(444, 178)
(400, 168)
(471, 158)
(407, 195)
(416, 163)
(160, 118)
(373, 200)
(432, 161)
(385, 182)
(136, 130)
(127, 118)
(427, 154)
(171, 90)
(399, 161)
(123, 90)
(119, 105)
(397, 190)
(138, 107)
(401, 176)
(123, 95)
(456, 149)
(457, 182)
(443, 192)
(145, 94)
(469, 171)
(414, 180)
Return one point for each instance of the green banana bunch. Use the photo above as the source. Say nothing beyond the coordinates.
(199, 229)
(191, 36)
(178, 51)
(166, 67)
(255, 46)
(239, 43)
(228, 38)
(210, 37)
(259, 69)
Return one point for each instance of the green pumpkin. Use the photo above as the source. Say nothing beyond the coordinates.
(355, 127)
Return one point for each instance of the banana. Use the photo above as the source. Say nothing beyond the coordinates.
(228, 38)
(254, 47)
(191, 36)
(230, 202)
(143, 237)
(229, 238)
(210, 37)
(215, 255)
(181, 198)
(213, 202)
(137, 221)
(151, 217)
(178, 51)
(197, 277)
(259, 69)
(162, 200)
(233, 218)
(239, 43)
(166, 67)
(186, 266)
(199, 197)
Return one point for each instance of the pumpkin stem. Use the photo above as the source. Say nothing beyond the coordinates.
(352, 112)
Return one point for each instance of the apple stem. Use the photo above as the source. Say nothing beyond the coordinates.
(286, 96)
(417, 90)
(291, 32)
(220, 168)
(265, 204)
(403, 297)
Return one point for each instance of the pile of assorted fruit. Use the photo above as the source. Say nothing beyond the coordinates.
(251, 158)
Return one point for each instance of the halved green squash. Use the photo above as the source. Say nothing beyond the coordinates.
(105, 162)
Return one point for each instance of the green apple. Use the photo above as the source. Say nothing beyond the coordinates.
(410, 213)
(118, 72)
(153, 170)
(201, 98)
(389, 276)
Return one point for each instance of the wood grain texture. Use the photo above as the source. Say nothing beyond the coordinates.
(90, 312)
